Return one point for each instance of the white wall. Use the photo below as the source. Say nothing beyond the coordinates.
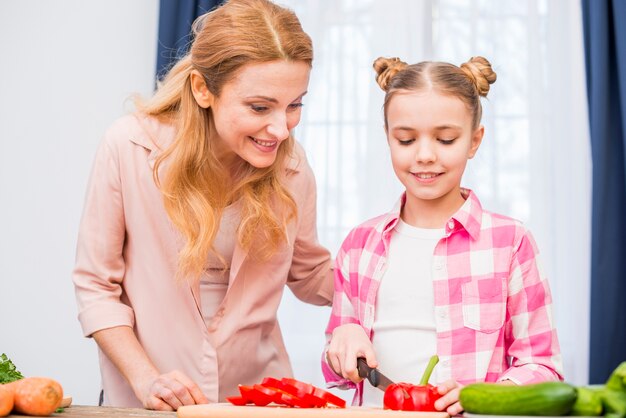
(66, 68)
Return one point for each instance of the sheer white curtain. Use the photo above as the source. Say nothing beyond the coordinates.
(534, 163)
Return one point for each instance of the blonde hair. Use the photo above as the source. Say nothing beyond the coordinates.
(469, 82)
(195, 184)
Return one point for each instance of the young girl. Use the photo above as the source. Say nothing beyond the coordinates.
(438, 274)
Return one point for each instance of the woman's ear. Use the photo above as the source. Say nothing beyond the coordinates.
(200, 91)
(477, 138)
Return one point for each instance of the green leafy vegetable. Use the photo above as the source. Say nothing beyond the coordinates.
(8, 372)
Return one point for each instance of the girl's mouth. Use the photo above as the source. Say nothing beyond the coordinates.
(426, 177)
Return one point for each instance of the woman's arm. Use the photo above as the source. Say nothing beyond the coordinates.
(163, 392)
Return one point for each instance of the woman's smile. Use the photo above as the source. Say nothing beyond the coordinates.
(265, 145)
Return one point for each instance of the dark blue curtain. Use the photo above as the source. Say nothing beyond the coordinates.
(175, 19)
(605, 58)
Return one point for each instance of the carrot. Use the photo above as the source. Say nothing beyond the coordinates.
(6, 400)
(37, 396)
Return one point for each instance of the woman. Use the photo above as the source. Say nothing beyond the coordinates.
(200, 208)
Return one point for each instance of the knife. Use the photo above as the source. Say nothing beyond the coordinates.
(375, 377)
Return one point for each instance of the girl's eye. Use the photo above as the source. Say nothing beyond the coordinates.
(446, 141)
(295, 106)
(406, 141)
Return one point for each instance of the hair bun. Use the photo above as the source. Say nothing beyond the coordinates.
(386, 68)
(479, 70)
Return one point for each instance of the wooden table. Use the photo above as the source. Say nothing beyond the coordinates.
(77, 411)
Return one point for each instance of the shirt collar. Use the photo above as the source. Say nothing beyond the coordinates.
(468, 217)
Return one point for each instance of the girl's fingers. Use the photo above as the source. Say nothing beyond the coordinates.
(335, 363)
(448, 400)
(455, 409)
(446, 386)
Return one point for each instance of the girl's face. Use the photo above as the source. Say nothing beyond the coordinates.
(258, 108)
(431, 138)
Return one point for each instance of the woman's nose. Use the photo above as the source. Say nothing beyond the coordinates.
(278, 127)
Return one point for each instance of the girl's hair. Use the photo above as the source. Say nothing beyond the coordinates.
(468, 82)
(196, 186)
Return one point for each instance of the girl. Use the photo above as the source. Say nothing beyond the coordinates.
(200, 209)
(438, 274)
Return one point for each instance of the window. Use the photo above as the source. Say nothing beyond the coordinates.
(533, 165)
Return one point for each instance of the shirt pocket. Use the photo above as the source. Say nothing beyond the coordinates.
(484, 304)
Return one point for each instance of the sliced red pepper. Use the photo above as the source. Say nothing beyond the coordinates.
(329, 397)
(286, 391)
(314, 401)
(237, 400)
(272, 383)
(301, 387)
(252, 395)
(281, 397)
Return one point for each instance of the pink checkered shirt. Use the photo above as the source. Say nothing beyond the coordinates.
(493, 308)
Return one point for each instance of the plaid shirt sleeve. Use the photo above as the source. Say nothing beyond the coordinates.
(530, 334)
(343, 311)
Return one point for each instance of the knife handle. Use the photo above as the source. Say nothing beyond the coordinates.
(367, 372)
(362, 367)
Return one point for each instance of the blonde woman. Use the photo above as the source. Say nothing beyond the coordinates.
(200, 208)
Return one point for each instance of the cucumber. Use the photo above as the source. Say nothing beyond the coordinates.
(588, 403)
(547, 398)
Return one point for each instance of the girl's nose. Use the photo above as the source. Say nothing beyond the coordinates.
(425, 152)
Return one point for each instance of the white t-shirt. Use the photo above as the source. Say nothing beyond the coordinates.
(404, 335)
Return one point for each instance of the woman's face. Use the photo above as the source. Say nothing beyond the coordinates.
(258, 108)
(431, 138)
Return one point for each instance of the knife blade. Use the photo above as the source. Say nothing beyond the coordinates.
(374, 376)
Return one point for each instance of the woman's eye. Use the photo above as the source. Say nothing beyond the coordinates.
(295, 106)
(258, 109)
(406, 141)
(446, 141)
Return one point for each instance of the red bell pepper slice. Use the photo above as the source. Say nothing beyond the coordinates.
(252, 395)
(329, 397)
(284, 398)
(237, 400)
(270, 382)
(304, 391)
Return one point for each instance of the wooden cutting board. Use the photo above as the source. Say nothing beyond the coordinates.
(226, 410)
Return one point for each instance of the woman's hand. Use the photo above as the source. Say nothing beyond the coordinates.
(449, 402)
(349, 342)
(162, 392)
(169, 391)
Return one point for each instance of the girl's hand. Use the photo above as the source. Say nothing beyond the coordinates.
(169, 391)
(349, 342)
(449, 402)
